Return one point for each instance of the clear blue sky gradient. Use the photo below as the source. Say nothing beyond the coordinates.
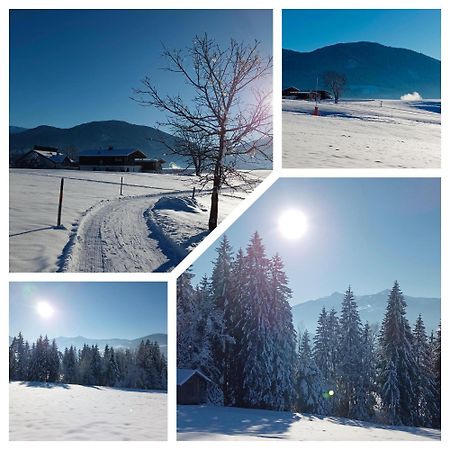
(414, 29)
(96, 310)
(74, 66)
(363, 232)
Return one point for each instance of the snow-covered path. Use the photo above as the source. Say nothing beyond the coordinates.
(55, 412)
(115, 237)
(224, 423)
(102, 231)
(362, 134)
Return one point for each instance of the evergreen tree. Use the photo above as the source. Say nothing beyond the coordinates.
(350, 348)
(436, 369)
(398, 367)
(309, 383)
(284, 336)
(220, 290)
(365, 393)
(426, 407)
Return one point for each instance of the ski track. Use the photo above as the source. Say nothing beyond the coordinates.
(116, 237)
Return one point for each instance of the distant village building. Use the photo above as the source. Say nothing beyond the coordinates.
(192, 387)
(44, 158)
(292, 93)
(151, 165)
(111, 159)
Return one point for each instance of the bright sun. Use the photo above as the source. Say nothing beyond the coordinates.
(292, 224)
(45, 310)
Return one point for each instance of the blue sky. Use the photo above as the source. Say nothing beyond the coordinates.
(93, 310)
(75, 66)
(418, 30)
(363, 232)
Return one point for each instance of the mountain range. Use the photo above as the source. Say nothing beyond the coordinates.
(372, 70)
(79, 341)
(371, 309)
(111, 133)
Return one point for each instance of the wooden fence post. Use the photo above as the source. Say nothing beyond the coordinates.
(121, 185)
(193, 192)
(61, 190)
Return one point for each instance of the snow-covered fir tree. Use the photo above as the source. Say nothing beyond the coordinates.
(397, 364)
(309, 385)
(349, 376)
(426, 393)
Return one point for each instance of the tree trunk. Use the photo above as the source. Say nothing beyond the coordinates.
(214, 213)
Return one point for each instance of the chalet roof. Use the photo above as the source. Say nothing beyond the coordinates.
(183, 375)
(291, 89)
(55, 157)
(113, 152)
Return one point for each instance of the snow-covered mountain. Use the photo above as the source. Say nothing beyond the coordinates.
(372, 70)
(79, 341)
(371, 309)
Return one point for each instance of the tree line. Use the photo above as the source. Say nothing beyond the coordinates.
(142, 368)
(236, 327)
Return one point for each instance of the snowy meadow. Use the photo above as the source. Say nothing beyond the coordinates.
(362, 134)
(56, 412)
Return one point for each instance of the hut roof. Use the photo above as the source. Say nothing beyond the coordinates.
(113, 152)
(183, 375)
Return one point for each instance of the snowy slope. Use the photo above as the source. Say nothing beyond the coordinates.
(39, 411)
(102, 231)
(223, 423)
(362, 134)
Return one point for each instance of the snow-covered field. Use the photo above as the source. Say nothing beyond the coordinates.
(103, 232)
(51, 412)
(223, 423)
(362, 134)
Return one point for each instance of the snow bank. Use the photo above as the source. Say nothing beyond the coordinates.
(414, 96)
(56, 412)
(223, 423)
(187, 204)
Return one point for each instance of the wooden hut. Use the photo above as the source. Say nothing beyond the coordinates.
(192, 387)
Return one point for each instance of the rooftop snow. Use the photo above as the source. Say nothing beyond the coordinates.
(184, 375)
(111, 152)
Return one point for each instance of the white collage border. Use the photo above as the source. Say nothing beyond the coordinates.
(170, 278)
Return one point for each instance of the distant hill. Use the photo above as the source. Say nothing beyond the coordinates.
(371, 309)
(118, 134)
(372, 70)
(79, 341)
(15, 130)
(95, 135)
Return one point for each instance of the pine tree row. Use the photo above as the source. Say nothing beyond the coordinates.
(142, 368)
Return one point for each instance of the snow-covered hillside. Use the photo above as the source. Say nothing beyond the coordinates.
(362, 134)
(222, 423)
(40, 411)
(102, 231)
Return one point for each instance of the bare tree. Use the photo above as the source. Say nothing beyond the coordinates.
(336, 82)
(227, 108)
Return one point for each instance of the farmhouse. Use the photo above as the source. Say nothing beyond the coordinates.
(192, 387)
(292, 93)
(44, 158)
(113, 160)
(150, 165)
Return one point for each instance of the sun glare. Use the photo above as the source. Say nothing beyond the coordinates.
(292, 224)
(45, 310)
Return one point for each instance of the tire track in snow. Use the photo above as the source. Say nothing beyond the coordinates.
(115, 237)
